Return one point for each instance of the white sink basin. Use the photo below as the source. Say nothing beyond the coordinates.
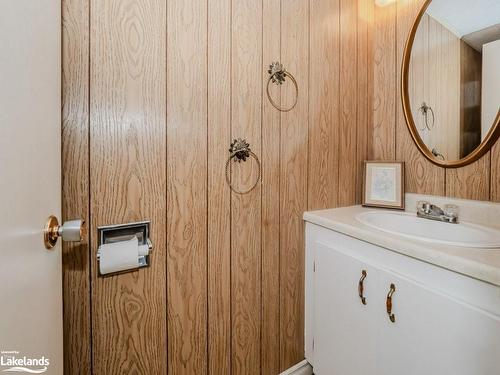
(410, 226)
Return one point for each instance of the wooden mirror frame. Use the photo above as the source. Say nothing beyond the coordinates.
(479, 151)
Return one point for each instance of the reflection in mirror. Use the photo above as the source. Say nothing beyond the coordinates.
(454, 75)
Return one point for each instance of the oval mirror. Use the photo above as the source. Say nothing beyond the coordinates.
(451, 80)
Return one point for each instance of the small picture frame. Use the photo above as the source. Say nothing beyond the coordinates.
(383, 184)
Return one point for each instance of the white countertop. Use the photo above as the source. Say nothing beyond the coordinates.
(481, 264)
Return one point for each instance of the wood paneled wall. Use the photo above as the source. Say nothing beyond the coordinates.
(154, 92)
(127, 135)
(391, 138)
(434, 79)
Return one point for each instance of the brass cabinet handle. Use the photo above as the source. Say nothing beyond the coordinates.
(361, 288)
(392, 289)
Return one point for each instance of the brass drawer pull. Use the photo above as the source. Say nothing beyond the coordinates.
(361, 288)
(392, 289)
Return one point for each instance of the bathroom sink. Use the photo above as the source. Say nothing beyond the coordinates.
(410, 226)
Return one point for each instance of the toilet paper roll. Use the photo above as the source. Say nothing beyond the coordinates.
(119, 256)
(143, 250)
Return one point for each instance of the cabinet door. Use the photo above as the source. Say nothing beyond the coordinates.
(344, 329)
(433, 333)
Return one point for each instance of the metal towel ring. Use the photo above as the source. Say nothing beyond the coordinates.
(277, 76)
(240, 151)
(425, 109)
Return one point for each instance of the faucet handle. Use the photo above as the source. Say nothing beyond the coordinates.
(423, 206)
(451, 210)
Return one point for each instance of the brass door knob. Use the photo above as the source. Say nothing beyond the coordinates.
(71, 230)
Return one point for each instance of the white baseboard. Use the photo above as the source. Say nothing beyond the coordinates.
(302, 368)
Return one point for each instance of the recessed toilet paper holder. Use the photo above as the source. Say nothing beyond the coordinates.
(123, 232)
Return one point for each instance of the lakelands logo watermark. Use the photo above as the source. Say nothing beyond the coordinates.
(13, 361)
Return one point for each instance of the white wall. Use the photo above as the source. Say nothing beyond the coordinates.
(461, 19)
(491, 85)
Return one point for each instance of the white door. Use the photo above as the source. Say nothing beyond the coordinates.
(345, 331)
(30, 189)
(433, 333)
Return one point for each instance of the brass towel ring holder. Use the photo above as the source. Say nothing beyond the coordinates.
(240, 151)
(277, 76)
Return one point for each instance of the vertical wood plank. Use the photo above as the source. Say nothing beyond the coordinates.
(471, 181)
(348, 102)
(371, 78)
(384, 111)
(293, 180)
(127, 179)
(75, 183)
(246, 209)
(452, 77)
(270, 328)
(495, 173)
(187, 186)
(219, 197)
(364, 88)
(324, 104)
(422, 176)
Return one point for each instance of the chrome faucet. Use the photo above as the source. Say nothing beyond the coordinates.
(430, 211)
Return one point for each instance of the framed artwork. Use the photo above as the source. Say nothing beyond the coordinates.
(383, 184)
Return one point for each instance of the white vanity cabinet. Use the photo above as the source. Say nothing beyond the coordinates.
(444, 322)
